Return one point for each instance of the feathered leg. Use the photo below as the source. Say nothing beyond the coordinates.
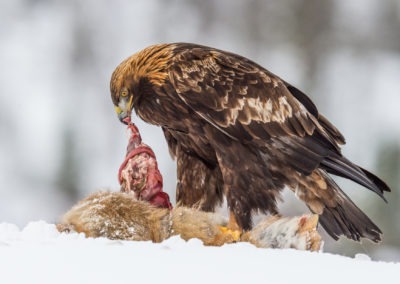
(201, 187)
(248, 184)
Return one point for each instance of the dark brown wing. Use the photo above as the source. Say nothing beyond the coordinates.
(253, 106)
(249, 104)
(238, 97)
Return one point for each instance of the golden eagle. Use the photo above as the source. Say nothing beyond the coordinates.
(238, 130)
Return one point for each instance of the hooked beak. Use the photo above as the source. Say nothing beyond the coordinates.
(124, 110)
(123, 116)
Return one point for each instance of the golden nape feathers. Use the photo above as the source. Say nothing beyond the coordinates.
(151, 63)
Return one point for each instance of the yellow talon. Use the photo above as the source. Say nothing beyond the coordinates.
(223, 229)
(233, 234)
(236, 235)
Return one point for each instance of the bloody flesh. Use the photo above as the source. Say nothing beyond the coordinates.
(139, 173)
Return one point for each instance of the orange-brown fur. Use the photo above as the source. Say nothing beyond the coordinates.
(112, 215)
(117, 215)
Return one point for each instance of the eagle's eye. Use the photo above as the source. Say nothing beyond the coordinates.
(124, 93)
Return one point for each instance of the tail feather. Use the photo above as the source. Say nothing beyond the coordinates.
(340, 166)
(338, 214)
(348, 220)
(377, 181)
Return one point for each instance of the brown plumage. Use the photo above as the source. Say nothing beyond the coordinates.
(120, 216)
(238, 130)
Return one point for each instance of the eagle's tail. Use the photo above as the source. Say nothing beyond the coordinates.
(340, 166)
(338, 214)
(348, 220)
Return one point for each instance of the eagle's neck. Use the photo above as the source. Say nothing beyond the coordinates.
(152, 63)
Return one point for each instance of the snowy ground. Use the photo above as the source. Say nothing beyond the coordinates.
(39, 254)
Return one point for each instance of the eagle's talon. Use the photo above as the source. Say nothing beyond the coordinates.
(227, 233)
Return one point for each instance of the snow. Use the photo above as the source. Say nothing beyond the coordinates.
(40, 254)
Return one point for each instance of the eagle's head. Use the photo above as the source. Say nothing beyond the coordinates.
(121, 89)
(150, 64)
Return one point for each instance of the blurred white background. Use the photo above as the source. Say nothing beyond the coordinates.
(60, 138)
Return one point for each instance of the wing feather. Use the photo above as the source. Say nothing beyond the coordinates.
(231, 93)
(251, 105)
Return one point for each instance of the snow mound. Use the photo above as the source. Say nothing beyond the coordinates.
(40, 254)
